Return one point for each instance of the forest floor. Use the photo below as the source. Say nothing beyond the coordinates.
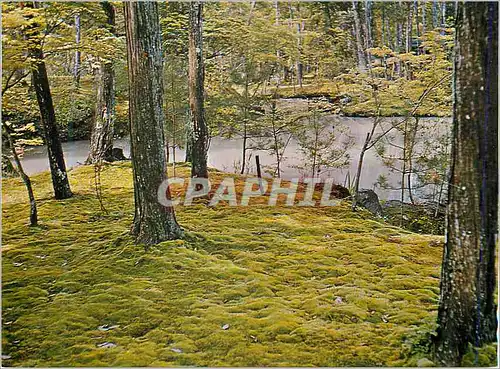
(248, 286)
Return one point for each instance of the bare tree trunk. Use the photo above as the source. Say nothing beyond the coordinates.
(359, 170)
(101, 140)
(424, 9)
(435, 17)
(415, 5)
(359, 39)
(411, 147)
(24, 177)
(76, 69)
(153, 222)
(300, 66)
(467, 311)
(409, 24)
(57, 165)
(196, 77)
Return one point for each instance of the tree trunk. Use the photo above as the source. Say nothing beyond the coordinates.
(467, 311)
(409, 24)
(196, 76)
(424, 9)
(300, 66)
(435, 16)
(359, 170)
(359, 40)
(76, 68)
(48, 119)
(368, 24)
(153, 222)
(417, 29)
(25, 178)
(101, 140)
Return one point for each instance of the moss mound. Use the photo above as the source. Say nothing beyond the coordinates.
(249, 286)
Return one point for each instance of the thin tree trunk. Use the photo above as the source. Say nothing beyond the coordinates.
(76, 69)
(244, 150)
(153, 222)
(24, 177)
(101, 140)
(409, 24)
(245, 123)
(300, 66)
(368, 24)
(382, 34)
(358, 172)
(467, 311)
(359, 39)
(415, 6)
(435, 16)
(57, 165)
(196, 77)
(423, 11)
(411, 148)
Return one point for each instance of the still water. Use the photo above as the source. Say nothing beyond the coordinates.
(226, 154)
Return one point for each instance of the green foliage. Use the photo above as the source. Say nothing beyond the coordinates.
(55, 28)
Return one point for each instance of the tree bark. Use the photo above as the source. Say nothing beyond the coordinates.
(57, 165)
(423, 11)
(409, 26)
(467, 307)
(153, 222)
(196, 77)
(359, 39)
(101, 140)
(76, 68)
(26, 179)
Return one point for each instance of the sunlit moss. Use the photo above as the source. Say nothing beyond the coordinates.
(254, 286)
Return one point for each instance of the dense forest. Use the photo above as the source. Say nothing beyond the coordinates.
(254, 183)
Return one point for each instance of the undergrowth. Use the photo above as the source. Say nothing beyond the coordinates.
(248, 286)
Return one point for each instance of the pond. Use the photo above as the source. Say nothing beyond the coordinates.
(225, 154)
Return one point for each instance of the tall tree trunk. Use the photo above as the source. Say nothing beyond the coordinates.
(423, 11)
(153, 222)
(101, 140)
(383, 25)
(467, 311)
(417, 25)
(359, 39)
(368, 24)
(76, 68)
(300, 66)
(409, 26)
(435, 16)
(196, 77)
(57, 165)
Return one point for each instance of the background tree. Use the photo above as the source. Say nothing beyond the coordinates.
(101, 140)
(153, 222)
(60, 180)
(198, 132)
(467, 311)
(9, 132)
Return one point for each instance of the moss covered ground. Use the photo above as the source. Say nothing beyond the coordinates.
(362, 104)
(248, 286)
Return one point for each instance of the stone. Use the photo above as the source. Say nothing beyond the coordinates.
(425, 363)
(369, 200)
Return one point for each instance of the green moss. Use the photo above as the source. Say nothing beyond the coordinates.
(272, 274)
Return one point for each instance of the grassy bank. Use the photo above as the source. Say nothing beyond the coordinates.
(393, 100)
(254, 286)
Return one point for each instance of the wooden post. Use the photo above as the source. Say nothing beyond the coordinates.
(259, 174)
